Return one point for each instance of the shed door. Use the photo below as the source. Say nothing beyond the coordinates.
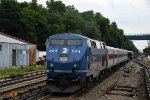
(13, 57)
(32, 56)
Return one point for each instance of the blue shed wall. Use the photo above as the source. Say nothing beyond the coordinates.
(22, 54)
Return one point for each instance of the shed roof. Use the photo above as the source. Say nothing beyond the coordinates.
(10, 39)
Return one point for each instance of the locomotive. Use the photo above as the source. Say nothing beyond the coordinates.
(73, 61)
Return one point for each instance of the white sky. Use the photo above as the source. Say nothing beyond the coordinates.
(133, 16)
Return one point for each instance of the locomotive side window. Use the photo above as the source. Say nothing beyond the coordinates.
(95, 46)
(101, 46)
(104, 45)
(57, 42)
(74, 42)
(92, 43)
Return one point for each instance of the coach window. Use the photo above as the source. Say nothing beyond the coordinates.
(0, 47)
(111, 56)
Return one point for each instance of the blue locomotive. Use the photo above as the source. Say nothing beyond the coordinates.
(73, 61)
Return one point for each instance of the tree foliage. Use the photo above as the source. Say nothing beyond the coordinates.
(146, 51)
(35, 23)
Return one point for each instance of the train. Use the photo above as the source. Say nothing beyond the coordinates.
(73, 61)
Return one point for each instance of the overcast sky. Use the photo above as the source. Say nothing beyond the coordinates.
(133, 16)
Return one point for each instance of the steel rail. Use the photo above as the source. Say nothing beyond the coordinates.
(26, 77)
(18, 76)
(6, 89)
(32, 92)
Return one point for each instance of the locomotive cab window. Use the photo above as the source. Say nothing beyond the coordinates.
(0, 47)
(93, 44)
(71, 42)
(76, 42)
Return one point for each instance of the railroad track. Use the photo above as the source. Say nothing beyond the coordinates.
(28, 92)
(13, 79)
(126, 87)
(122, 90)
(146, 74)
(28, 80)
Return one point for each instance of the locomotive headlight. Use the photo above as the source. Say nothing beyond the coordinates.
(51, 70)
(75, 70)
(75, 65)
(51, 65)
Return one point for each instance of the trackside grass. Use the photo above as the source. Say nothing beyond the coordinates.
(20, 70)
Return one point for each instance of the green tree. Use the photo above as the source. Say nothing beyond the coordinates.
(34, 23)
(146, 51)
(9, 15)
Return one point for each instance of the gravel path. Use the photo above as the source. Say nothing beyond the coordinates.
(133, 79)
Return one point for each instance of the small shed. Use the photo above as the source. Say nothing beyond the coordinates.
(16, 52)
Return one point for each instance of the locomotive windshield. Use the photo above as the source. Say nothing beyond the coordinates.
(57, 42)
(73, 42)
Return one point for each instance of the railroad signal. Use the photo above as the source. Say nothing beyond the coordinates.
(13, 94)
